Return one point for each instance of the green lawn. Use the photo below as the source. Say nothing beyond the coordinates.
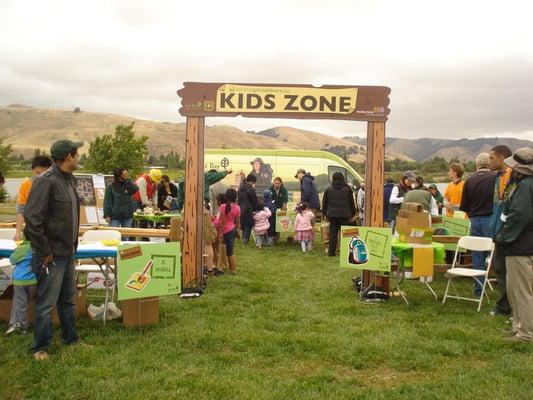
(288, 326)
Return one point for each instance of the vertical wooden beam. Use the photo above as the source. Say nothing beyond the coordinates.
(374, 185)
(375, 167)
(193, 206)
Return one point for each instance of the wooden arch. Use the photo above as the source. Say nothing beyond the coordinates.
(200, 100)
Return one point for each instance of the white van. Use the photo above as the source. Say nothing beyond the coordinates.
(269, 164)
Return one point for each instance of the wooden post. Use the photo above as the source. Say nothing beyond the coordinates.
(374, 185)
(193, 206)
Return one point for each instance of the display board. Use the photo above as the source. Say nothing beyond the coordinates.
(366, 248)
(150, 269)
(91, 189)
(456, 226)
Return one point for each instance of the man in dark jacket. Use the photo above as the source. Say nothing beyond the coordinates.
(338, 207)
(389, 185)
(516, 239)
(308, 190)
(52, 223)
(478, 193)
(247, 199)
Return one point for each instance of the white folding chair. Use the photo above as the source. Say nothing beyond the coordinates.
(103, 268)
(7, 233)
(472, 243)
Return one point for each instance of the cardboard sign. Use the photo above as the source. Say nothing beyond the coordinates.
(285, 221)
(366, 248)
(146, 270)
(457, 226)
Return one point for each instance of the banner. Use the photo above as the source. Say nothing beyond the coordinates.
(366, 248)
(146, 270)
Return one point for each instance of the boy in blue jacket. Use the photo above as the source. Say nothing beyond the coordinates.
(24, 285)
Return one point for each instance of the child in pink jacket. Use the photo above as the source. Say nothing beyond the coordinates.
(303, 225)
(261, 224)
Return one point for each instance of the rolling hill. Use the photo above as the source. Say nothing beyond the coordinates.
(462, 149)
(27, 128)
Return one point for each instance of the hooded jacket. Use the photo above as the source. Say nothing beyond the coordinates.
(516, 235)
(338, 201)
(247, 199)
(308, 190)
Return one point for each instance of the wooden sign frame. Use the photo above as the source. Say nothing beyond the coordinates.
(200, 100)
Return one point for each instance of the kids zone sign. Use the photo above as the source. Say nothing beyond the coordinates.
(363, 103)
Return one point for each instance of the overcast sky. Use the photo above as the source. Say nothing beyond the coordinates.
(456, 68)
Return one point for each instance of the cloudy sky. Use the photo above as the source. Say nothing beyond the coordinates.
(456, 68)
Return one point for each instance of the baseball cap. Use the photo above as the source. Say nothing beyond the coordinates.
(432, 186)
(61, 148)
(299, 170)
(410, 175)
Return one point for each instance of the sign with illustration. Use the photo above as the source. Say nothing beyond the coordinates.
(146, 270)
(285, 220)
(366, 248)
(456, 226)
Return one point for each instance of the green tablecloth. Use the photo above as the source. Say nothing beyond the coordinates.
(155, 218)
(404, 252)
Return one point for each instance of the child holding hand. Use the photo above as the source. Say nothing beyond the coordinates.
(303, 225)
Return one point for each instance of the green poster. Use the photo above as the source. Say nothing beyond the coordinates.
(366, 248)
(285, 220)
(456, 226)
(148, 269)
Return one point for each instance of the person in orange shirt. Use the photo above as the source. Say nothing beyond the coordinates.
(454, 191)
(38, 166)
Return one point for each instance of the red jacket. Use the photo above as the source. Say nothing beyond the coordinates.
(150, 188)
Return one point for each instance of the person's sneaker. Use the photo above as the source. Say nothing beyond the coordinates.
(493, 313)
(40, 355)
(11, 329)
(218, 272)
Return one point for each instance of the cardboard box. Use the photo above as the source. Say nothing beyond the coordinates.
(414, 226)
(6, 301)
(138, 312)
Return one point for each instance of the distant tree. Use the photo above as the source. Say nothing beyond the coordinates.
(77, 109)
(123, 149)
(5, 151)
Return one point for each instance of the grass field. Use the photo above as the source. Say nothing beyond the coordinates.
(288, 326)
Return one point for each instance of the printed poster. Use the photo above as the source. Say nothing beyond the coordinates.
(366, 248)
(98, 181)
(285, 220)
(146, 270)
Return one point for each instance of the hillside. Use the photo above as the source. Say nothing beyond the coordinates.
(462, 149)
(28, 128)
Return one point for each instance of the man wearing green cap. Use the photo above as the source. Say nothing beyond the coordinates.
(52, 222)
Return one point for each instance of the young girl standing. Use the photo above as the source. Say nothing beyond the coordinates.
(228, 222)
(261, 224)
(303, 225)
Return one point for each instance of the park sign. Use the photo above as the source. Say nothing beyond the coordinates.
(360, 103)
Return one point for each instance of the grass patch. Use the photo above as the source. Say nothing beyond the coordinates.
(288, 326)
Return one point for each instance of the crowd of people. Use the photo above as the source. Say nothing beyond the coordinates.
(497, 198)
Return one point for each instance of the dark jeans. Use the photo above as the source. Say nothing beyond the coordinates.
(479, 226)
(229, 240)
(58, 288)
(334, 227)
(246, 233)
(500, 269)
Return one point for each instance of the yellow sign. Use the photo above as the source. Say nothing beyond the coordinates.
(241, 98)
